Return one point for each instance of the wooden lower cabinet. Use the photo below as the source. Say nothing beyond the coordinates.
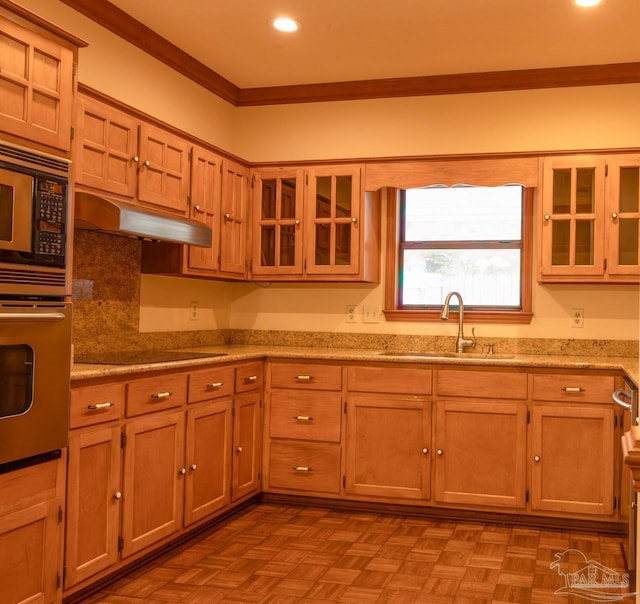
(208, 446)
(93, 502)
(572, 459)
(153, 480)
(480, 453)
(247, 445)
(387, 446)
(31, 508)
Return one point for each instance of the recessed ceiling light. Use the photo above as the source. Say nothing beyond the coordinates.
(587, 2)
(286, 24)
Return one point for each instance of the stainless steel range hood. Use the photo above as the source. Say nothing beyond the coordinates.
(96, 213)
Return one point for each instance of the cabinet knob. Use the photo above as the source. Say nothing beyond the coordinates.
(354, 219)
(147, 163)
(117, 495)
(297, 222)
(536, 458)
(547, 217)
(439, 451)
(239, 449)
(425, 451)
(193, 467)
(227, 216)
(135, 159)
(614, 215)
(182, 471)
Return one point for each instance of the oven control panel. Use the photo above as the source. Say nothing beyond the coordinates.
(49, 225)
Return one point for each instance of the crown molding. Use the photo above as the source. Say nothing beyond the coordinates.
(120, 23)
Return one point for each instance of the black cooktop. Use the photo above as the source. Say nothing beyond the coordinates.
(139, 357)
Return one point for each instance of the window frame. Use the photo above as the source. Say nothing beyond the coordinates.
(392, 310)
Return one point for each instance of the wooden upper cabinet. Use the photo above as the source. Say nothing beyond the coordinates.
(206, 189)
(277, 222)
(163, 173)
(589, 228)
(234, 220)
(36, 85)
(106, 146)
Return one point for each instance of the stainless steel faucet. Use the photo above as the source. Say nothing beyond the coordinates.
(461, 341)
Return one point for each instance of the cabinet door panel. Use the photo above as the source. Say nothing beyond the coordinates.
(234, 216)
(572, 459)
(207, 485)
(480, 452)
(153, 483)
(93, 505)
(247, 445)
(387, 446)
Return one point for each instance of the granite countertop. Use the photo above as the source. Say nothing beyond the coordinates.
(235, 353)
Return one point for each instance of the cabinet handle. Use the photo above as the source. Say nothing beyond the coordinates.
(227, 216)
(297, 222)
(198, 209)
(182, 471)
(160, 395)
(354, 219)
(303, 378)
(425, 451)
(572, 389)
(303, 418)
(117, 495)
(536, 458)
(239, 449)
(147, 163)
(250, 378)
(547, 217)
(439, 451)
(99, 406)
(302, 468)
(213, 385)
(193, 467)
(135, 159)
(614, 215)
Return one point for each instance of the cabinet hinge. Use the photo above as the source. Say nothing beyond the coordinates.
(233, 411)
(345, 407)
(528, 416)
(344, 482)
(58, 580)
(74, 69)
(73, 133)
(306, 180)
(189, 200)
(191, 154)
(251, 265)
(305, 264)
(605, 264)
(253, 181)
(120, 544)
(615, 503)
(123, 440)
(526, 496)
(615, 421)
(59, 514)
(606, 169)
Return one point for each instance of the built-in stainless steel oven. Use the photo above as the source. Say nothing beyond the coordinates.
(35, 362)
(627, 398)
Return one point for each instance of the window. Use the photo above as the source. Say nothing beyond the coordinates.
(469, 239)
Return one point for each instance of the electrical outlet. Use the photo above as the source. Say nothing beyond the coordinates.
(371, 314)
(577, 317)
(193, 311)
(351, 314)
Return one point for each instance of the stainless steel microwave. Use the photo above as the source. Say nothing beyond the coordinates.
(34, 222)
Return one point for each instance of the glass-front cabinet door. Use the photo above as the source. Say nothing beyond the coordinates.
(277, 234)
(332, 220)
(623, 214)
(572, 216)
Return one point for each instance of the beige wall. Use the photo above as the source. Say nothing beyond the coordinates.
(539, 120)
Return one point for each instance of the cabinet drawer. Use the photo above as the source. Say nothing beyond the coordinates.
(481, 384)
(96, 404)
(156, 394)
(310, 376)
(249, 377)
(305, 466)
(582, 388)
(305, 415)
(380, 378)
(210, 383)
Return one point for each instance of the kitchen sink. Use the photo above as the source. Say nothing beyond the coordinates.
(443, 355)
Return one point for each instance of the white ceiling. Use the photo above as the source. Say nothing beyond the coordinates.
(348, 40)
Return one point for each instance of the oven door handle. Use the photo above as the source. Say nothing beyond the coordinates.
(618, 401)
(10, 317)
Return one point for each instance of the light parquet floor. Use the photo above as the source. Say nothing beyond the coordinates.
(279, 554)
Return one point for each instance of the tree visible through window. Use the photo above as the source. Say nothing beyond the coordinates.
(468, 239)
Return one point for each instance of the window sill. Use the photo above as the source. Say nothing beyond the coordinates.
(470, 316)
